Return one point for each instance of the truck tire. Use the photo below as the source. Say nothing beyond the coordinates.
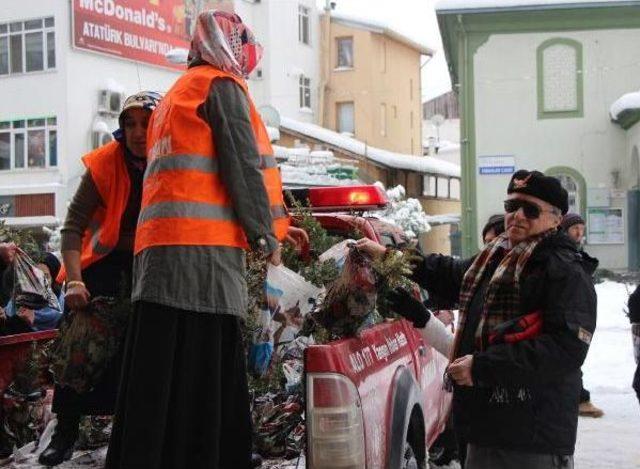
(409, 460)
(414, 456)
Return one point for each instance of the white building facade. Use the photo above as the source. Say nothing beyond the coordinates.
(288, 78)
(535, 94)
(60, 101)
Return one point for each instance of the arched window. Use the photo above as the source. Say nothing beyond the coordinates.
(560, 81)
(575, 186)
(571, 186)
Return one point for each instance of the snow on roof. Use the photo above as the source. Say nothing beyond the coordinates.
(458, 5)
(624, 103)
(382, 27)
(420, 164)
(295, 176)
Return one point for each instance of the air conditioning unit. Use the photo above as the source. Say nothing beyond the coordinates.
(99, 138)
(110, 102)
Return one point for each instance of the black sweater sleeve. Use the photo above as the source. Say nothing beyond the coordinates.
(227, 112)
(442, 277)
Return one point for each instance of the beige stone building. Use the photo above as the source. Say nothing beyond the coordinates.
(370, 83)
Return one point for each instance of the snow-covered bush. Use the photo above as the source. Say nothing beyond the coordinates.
(408, 214)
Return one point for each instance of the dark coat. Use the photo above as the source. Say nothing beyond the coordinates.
(525, 394)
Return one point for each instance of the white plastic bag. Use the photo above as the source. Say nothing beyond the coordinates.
(290, 298)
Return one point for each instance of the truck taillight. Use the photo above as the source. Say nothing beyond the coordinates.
(335, 430)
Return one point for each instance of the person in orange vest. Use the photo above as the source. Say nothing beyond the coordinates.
(97, 250)
(212, 189)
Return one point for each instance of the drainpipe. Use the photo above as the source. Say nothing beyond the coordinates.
(325, 61)
(467, 198)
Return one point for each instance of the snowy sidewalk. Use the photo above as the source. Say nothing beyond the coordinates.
(611, 441)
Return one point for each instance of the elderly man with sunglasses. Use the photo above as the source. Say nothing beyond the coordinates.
(527, 315)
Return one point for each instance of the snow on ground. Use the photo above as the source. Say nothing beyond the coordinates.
(611, 441)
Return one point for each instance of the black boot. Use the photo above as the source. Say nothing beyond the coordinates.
(6, 445)
(62, 442)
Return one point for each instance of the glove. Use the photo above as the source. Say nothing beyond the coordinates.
(402, 302)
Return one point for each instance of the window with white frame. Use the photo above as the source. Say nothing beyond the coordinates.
(429, 185)
(304, 25)
(305, 92)
(346, 117)
(443, 188)
(28, 143)
(454, 188)
(27, 46)
(345, 52)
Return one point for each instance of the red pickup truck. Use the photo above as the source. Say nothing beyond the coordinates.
(376, 400)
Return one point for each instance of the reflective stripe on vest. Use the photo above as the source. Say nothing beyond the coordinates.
(111, 179)
(184, 200)
(199, 210)
(196, 163)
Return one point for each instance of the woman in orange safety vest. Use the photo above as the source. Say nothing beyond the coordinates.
(97, 250)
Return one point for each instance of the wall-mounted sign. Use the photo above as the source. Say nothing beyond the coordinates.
(605, 226)
(139, 30)
(496, 164)
(598, 197)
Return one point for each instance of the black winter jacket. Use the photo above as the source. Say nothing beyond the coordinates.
(525, 394)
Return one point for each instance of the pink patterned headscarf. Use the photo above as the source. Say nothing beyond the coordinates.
(224, 41)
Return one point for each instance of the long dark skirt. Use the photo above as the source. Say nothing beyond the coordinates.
(110, 276)
(183, 400)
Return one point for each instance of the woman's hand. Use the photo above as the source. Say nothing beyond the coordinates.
(77, 296)
(297, 237)
(275, 257)
(375, 250)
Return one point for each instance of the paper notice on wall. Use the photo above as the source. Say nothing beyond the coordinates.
(605, 226)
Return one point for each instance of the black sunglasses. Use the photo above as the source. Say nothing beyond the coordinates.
(530, 210)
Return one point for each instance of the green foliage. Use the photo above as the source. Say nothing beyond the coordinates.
(23, 239)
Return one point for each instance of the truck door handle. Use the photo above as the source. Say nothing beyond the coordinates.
(422, 351)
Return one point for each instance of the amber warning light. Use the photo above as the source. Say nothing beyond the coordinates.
(340, 198)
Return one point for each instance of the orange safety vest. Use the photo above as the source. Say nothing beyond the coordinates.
(184, 201)
(111, 178)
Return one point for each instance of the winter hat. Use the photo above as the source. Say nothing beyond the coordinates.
(543, 187)
(495, 223)
(50, 260)
(144, 99)
(571, 219)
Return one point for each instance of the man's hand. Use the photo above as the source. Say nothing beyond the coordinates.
(8, 252)
(297, 237)
(460, 371)
(77, 297)
(275, 257)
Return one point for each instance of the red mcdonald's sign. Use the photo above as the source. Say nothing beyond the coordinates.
(139, 30)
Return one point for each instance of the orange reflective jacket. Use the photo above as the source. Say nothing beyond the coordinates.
(184, 201)
(111, 178)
